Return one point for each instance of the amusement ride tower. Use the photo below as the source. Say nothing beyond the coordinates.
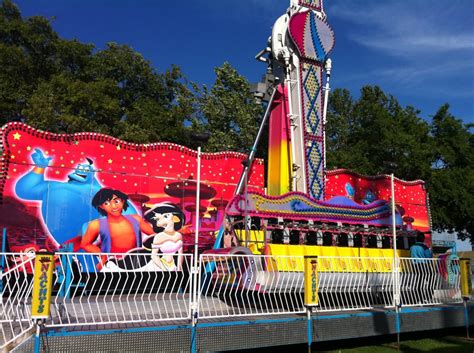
(298, 58)
(301, 196)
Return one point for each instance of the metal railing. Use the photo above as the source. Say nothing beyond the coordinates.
(91, 289)
(131, 288)
(243, 285)
(354, 283)
(429, 281)
(16, 286)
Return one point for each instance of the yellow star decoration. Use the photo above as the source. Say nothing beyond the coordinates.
(16, 136)
(109, 161)
(28, 148)
(118, 148)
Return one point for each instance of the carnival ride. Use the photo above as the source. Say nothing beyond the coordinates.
(306, 205)
(229, 244)
(48, 180)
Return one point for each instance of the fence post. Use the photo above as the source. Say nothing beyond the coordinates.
(395, 269)
(2, 260)
(466, 288)
(195, 267)
(41, 295)
(310, 292)
(396, 296)
(65, 273)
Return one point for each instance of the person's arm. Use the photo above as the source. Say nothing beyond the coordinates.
(234, 239)
(32, 185)
(145, 227)
(90, 236)
(87, 242)
(180, 259)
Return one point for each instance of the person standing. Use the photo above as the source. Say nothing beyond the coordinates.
(420, 250)
(423, 270)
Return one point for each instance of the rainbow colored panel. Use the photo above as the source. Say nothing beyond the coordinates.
(279, 156)
(410, 196)
(297, 206)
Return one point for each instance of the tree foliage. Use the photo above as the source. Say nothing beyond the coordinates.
(229, 112)
(65, 86)
(375, 135)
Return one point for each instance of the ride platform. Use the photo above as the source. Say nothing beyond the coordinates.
(250, 332)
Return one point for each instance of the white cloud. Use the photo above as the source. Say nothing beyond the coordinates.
(421, 46)
(406, 28)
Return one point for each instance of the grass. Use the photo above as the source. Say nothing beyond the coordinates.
(447, 344)
(439, 341)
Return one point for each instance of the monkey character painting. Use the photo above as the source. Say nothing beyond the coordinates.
(65, 205)
(166, 220)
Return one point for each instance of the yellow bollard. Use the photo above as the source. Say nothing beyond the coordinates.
(42, 286)
(466, 284)
(310, 280)
(310, 291)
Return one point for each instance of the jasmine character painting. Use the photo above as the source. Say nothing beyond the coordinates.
(166, 220)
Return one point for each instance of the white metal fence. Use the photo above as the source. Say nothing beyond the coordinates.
(131, 288)
(354, 283)
(96, 289)
(242, 285)
(16, 286)
(429, 281)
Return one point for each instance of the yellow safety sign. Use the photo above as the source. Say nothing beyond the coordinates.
(42, 285)
(466, 284)
(310, 280)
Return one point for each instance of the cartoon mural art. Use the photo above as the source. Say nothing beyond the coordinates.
(166, 219)
(118, 233)
(411, 198)
(60, 200)
(48, 183)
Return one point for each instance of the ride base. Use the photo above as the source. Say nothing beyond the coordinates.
(229, 334)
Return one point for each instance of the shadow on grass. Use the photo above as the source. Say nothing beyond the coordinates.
(437, 341)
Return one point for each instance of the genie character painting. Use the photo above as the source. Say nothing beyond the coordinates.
(65, 205)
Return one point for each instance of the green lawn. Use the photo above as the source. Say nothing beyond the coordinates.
(437, 341)
(448, 344)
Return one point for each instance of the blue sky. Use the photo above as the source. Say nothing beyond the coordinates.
(421, 51)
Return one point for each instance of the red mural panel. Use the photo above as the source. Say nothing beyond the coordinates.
(410, 196)
(48, 182)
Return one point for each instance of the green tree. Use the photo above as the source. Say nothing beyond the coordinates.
(229, 112)
(67, 86)
(452, 182)
(375, 135)
(66, 105)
